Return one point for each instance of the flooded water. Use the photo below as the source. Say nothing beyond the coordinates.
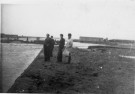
(84, 45)
(132, 57)
(15, 59)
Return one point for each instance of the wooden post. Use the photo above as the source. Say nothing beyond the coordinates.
(38, 38)
(27, 39)
(8, 38)
(17, 38)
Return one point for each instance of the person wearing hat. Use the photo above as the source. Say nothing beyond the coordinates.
(60, 49)
(69, 46)
(47, 48)
(52, 45)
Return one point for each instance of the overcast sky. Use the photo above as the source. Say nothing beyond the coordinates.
(114, 19)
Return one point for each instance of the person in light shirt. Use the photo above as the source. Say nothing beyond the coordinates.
(69, 46)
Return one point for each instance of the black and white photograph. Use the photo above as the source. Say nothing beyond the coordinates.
(67, 46)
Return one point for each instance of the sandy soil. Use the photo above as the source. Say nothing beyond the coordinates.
(90, 72)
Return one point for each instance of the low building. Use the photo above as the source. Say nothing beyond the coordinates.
(122, 41)
(8, 37)
(91, 39)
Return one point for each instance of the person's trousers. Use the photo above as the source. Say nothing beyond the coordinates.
(59, 56)
(69, 58)
(51, 54)
(47, 53)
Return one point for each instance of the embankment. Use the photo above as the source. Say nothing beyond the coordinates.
(90, 72)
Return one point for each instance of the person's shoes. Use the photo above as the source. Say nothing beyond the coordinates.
(47, 60)
(59, 61)
(67, 63)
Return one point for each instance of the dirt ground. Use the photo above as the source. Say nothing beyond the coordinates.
(95, 71)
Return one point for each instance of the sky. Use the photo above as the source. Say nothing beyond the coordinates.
(112, 19)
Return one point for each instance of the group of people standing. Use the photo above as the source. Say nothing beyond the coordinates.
(49, 45)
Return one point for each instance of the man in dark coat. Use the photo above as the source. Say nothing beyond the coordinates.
(52, 45)
(47, 48)
(60, 49)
